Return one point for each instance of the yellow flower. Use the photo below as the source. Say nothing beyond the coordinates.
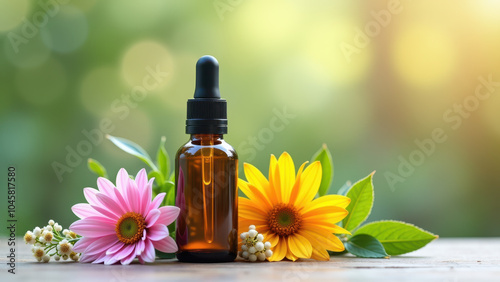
(284, 210)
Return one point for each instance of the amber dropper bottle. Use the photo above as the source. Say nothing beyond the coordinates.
(206, 176)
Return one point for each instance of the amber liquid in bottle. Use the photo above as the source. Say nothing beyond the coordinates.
(206, 193)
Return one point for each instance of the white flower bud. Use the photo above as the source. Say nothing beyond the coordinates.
(260, 237)
(65, 232)
(261, 256)
(267, 245)
(57, 258)
(244, 247)
(252, 250)
(252, 233)
(259, 246)
(48, 228)
(51, 222)
(251, 227)
(37, 231)
(58, 227)
(244, 254)
(252, 257)
(243, 235)
(46, 258)
(269, 253)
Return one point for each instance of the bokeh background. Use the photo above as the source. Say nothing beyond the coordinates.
(82, 61)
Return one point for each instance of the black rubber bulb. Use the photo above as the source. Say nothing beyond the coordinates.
(207, 78)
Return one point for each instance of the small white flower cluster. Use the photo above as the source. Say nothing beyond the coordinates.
(52, 241)
(253, 247)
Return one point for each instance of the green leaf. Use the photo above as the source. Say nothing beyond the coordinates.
(162, 159)
(343, 190)
(365, 246)
(133, 149)
(163, 255)
(172, 176)
(361, 195)
(325, 158)
(171, 197)
(158, 177)
(97, 168)
(397, 237)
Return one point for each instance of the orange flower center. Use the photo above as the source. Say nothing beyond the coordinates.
(130, 227)
(284, 219)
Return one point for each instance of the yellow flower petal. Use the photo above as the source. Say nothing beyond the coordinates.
(279, 251)
(270, 237)
(274, 179)
(254, 194)
(326, 227)
(325, 211)
(300, 246)
(287, 175)
(257, 179)
(327, 240)
(245, 205)
(339, 230)
(250, 214)
(319, 251)
(291, 256)
(309, 184)
(296, 187)
(328, 200)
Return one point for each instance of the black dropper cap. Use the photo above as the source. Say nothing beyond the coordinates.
(207, 112)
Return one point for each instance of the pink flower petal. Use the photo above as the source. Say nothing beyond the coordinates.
(88, 258)
(168, 214)
(120, 199)
(122, 253)
(152, 217)
(148, 255)
(93, 226)
(100, 245)
(166, 245)
(110, 204)
(106, 187)
(128, 259)
(82, 244)
(84, 210)
(115, 248)
(132, 196)
(139, 247)
(141, 179)
(157, 232)
(157, 201)
(106, 213)
(110, 259)
(147, 196)
(122, 179)
(90, 195)
(100, 258)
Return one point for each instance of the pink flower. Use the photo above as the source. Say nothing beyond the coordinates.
(121, 223)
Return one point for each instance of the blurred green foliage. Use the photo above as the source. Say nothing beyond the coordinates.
(126, 68)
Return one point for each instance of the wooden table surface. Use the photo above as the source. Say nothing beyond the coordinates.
(446, 259)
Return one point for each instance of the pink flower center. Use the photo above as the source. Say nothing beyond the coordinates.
(130, 227)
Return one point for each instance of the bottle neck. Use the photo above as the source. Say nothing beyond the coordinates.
(206, 139)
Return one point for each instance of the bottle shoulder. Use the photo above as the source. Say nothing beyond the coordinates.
(221, 149)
